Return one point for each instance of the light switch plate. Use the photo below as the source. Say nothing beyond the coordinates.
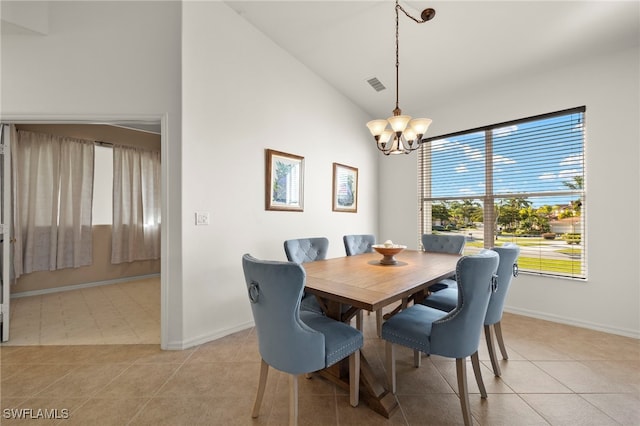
(202, 218)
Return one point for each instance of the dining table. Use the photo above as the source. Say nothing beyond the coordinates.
(345, 286)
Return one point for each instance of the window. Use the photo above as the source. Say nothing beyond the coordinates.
(520, 181)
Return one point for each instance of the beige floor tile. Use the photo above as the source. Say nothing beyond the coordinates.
(42, 411)
(527, 377)
(492, 384)
(179, 411)
(97, 315)
(586, 378)
(83, 381)
(105, 412)
(32, 379)
(363, 415)
(215, 383)
(567, 409)
(504, 410)
(138, 381)
(624, 408)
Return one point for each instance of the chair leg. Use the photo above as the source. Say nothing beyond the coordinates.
(354, 378)
(498, 329)
(264, 370)
(293, 400)
(379, 322)
(461, 371)
(475, 362)
(391, 366)
(488, 334)
(359, 320)
(417, 358)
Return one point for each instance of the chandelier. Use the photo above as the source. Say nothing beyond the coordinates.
(405, 134)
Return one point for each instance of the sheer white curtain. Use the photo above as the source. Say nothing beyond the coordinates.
(53, 181)
(135, 233)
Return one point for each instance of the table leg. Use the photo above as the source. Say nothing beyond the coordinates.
(372, 389)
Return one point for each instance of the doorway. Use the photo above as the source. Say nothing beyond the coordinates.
(114, 289)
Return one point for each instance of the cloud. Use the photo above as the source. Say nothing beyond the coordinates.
(546, 176)
(575, 160)
(461, 169)
(505, 131)
(473, 153)
(501, 159)
(569, 174)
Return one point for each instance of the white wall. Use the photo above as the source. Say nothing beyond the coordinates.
(242, 94)
(107, 60)
(609, 87)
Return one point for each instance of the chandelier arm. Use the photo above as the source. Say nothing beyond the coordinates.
(426, 15)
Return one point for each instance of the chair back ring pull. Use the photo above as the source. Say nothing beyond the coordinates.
(494, 283)
(254, 292)
(516, 270)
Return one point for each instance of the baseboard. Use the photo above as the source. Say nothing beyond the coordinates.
(80, 286)
(208, 337)
(572, 321)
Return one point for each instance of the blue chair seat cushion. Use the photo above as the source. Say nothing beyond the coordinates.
(444, 300)
(441, 285)
(412, 327)
(310, 303)
(340, 340)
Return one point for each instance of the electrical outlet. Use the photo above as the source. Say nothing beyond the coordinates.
(202, 218)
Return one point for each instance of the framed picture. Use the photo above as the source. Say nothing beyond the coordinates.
(345, 188)
(284, 184)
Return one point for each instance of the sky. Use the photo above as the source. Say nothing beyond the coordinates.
(534, 157)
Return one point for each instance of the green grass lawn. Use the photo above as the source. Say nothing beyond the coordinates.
(558, 266)
(561, 266)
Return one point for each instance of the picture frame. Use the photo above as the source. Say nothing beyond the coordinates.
(345, 188)
(284, 181)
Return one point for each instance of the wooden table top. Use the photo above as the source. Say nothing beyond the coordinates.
(361, 281)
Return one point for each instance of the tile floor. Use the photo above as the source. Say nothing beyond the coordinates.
(556, 374)
(122, 313)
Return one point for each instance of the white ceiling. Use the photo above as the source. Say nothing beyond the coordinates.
(468, 44)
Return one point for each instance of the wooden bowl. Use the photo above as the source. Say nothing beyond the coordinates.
(388, 252)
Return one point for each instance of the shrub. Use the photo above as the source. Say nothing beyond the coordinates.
(573, 238)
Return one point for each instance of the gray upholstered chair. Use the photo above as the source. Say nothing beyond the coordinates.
(303, 250)
(455, 334)
(357, 244)
(449, 243)
(443, 243)
(291, 340)
(447, 299)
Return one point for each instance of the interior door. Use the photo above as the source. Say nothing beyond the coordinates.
(5, 228)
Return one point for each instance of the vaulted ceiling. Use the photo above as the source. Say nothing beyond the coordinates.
(468, 44)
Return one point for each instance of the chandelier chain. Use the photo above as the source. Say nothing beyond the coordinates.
(397, 111)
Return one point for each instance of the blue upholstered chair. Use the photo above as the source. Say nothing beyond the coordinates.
(303, 250)
(447, 299)
(357, 244)
(455, 334)
(294, 341)
(443, 243)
